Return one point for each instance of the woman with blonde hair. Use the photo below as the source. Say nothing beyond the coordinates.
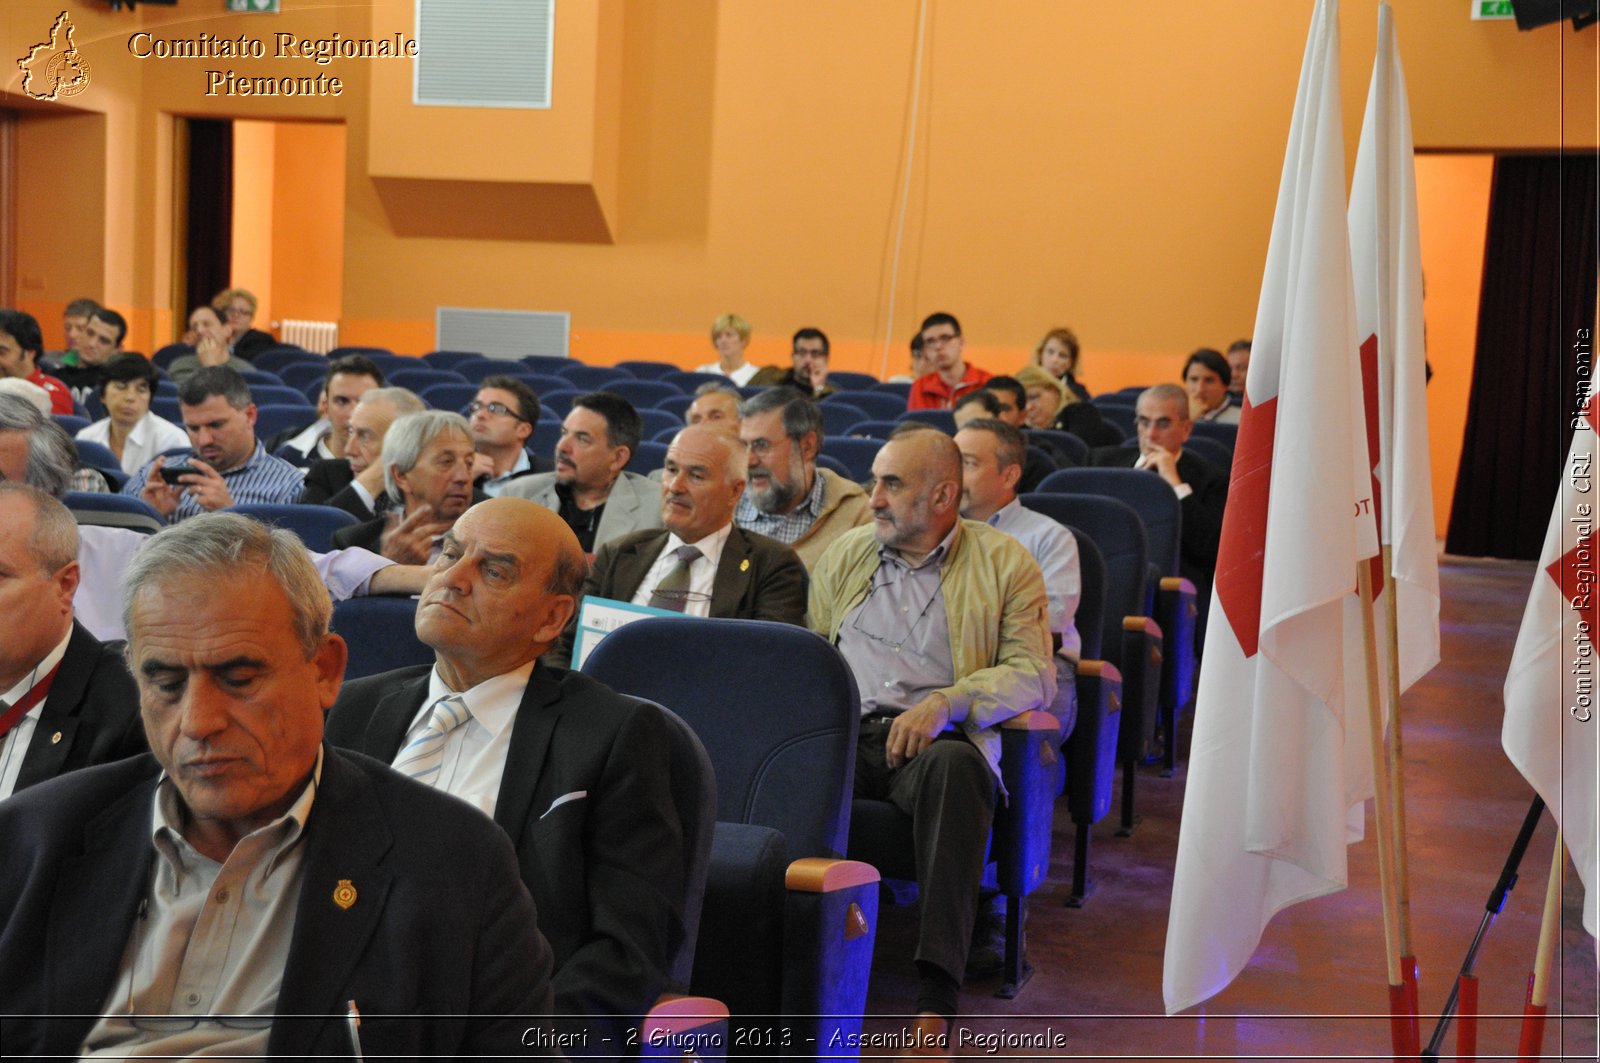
(1057, 353)
(1051, 405)
(730, 335)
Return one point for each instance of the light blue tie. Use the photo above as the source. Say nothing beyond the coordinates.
(423, 757)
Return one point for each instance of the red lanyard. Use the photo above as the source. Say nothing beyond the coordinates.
(15, 713)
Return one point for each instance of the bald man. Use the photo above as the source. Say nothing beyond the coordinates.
(699, 562)
(578, 775)
(945, 624)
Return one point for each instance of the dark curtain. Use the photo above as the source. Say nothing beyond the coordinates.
(1531, 362)
(208, 243)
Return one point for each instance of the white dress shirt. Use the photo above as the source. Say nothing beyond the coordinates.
(475, 752)
(149, 436)
(495, 484)
(740, 376)
(702, 571)
(14, 746)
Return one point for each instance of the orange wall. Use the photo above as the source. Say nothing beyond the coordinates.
(308, 221)
(254, 181)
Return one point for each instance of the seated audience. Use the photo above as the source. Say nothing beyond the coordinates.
(809, 373)
(427, 474)
(1050, 405)
(1162, 421)
(37, 451)
(985, 404)
(1057, 354)
(71, 702)
(226, 464)
(787, 495)
(99, 342)
(699, 562)
(237, 307)
(349, 377)
(130, 430)
(577, 775)
(730, 334)
(330, 883)
(967, 604)
(503, 416)
(919, 364)
(354, 483)
(73, 318)
(949, 377)
(29, 392)
(1238, 365)
(211, 341)
(589, 488)
(21, 345)
(1206, 377)
(716, 401)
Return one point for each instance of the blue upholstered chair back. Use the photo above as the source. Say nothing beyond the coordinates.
(1115, 529)
(314, 524)
(775, 706)
(381, 634)
(694, 792)
(1149, 495)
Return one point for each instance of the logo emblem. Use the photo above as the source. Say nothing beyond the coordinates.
(344, 894)
(55, 69)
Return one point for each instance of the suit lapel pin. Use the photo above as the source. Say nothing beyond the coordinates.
(55, 739)
(744, 566)
(344, 894)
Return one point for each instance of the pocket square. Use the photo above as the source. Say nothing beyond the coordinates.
(576, 795)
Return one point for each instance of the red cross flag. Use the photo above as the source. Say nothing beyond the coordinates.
(1550, 730)
(1273, 774)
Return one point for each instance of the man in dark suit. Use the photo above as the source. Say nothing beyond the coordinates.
(66, 699)
(427, 474)
(330, 882)
(580, 777)
(354, 483)
(700, 562)
(1162, 420)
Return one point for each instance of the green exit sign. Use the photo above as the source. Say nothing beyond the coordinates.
(1487, 9)
(259, 7)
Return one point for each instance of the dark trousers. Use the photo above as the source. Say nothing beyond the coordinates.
(949, 792)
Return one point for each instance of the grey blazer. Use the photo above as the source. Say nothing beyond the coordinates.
(634, 503)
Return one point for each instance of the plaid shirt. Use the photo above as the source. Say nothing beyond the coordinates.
(784, 527)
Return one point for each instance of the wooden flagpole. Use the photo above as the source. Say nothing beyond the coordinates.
(1538, 1004)
(1397, 783)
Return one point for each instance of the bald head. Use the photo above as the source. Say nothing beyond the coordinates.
(916, 491)
(701, 480)
(504, 587)
(38, 554)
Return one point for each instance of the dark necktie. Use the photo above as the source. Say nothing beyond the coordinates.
(672, 591)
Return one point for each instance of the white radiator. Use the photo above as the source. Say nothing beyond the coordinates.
(318, 336)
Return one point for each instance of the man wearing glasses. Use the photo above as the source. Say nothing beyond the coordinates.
(503, 417)
(1162, 420)
(945, 625)
(237, 308)
(949, 376)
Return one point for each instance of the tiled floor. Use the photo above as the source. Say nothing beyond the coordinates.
(1316, 986)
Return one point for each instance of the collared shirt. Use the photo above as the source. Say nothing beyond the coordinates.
(475, 752)
(1182, 490)
(262, 478)
(60, 396)
(211, 938)
(312, 440)
(740, 376)
(149, 436)
(1224, 412)
(897, 641)
(1056, 550)
(495, 484)
(702, 571)
(14, 746)
(583, 522)
(930, 392)
(104, 554)
(784, 527)
(366, 496)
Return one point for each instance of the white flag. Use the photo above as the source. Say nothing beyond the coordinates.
(1551, 720)
(1270, 786)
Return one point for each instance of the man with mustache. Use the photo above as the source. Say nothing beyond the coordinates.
(598, 500)
(699, 562)
(230, 466)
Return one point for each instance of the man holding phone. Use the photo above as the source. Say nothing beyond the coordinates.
(226, 464)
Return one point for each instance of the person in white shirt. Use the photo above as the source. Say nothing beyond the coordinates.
(130, 430)
(730, 334)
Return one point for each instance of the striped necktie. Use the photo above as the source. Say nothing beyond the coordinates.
(422, 758)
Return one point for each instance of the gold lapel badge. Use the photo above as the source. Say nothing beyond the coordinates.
(744, 566)
(55, 739)
(344, 894)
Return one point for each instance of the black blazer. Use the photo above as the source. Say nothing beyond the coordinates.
(440, 926)
(587, 797)
(1202, 510)
(326, 477)
(252, 342)
(91, 716)
(757, 579)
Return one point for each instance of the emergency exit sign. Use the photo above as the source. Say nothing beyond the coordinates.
(270, 7)
(1486, 9)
